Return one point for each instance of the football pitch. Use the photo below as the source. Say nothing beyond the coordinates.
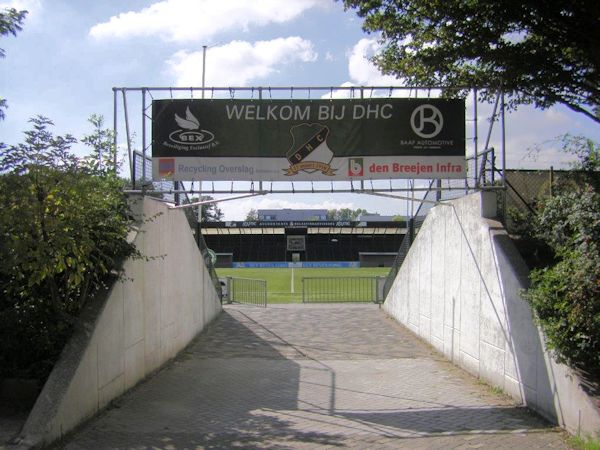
(279, 281)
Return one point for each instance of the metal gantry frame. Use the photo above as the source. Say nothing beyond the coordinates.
(476, 177)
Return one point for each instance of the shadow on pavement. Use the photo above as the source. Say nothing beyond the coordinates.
(247, 383)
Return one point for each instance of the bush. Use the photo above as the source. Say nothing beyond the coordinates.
(63, 232)
(566, 300)
(565, 295)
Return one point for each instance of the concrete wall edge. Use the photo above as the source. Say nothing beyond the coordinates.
(44, 424)
(547, 387)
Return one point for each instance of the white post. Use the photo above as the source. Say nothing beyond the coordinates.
(203, 68)
(292, 285)
(199, 212)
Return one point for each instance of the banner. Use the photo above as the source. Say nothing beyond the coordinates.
(308, 140)
(286, 265)
(305, 224)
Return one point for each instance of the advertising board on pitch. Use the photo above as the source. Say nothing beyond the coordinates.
(308, 140)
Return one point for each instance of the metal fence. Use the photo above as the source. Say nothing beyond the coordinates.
(142, 98)
(412, 229)
(247, 290)
(142, 177)
(340, 289)
(209, 264)
(526, 188)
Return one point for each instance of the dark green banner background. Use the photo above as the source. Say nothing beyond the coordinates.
(274, 128)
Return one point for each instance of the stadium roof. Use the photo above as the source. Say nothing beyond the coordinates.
(312, 227)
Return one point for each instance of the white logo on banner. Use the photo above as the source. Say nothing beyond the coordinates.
(190, 133)
(355, 167)
(427, 121)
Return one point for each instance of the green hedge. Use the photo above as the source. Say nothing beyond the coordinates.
(63, 228)
(62, 232)
(565, 294)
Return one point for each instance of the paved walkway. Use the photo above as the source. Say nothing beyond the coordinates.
(11, 422)
(300, 376)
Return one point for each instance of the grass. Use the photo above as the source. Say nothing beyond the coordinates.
(279, 281)
(585, 443)
(497, 390)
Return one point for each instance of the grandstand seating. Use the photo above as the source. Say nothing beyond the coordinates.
(319, 247)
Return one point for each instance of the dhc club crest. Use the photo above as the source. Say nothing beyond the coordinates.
(309, 151)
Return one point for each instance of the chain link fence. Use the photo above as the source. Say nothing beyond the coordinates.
(526, 188)
(523, 190)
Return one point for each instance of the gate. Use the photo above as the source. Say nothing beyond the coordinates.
(342, 289)
(246, 290)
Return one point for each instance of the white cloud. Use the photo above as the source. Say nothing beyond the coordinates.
(239, 62)
(29, 5)
(33, 7)
(530, 135)
(362, 71)
(340, 93)
(195, 20)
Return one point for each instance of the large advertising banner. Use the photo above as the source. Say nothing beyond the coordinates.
(308, 140)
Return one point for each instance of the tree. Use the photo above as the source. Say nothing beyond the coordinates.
(62, 235)
(345, 214)
(210, 211)
(539, 53)
(565, 294)
(103, 158)
(252, 215)
(11, 22)
(40, 149)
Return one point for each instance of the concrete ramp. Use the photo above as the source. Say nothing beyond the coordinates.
(459, 290)
(132, 330)
(312, 376)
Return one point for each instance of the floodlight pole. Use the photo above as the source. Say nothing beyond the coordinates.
(144, 138)
(115, 113)
(475, 138)
(199, 212)
(203, 68)
(131, 172)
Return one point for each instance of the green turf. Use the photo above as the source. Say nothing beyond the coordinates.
(279, 280)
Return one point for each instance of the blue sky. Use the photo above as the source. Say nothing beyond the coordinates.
(71, 54)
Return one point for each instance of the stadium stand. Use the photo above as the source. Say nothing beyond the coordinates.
(267, 241)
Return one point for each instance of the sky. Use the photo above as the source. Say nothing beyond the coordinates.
(70, 55)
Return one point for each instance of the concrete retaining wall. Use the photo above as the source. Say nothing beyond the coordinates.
(132, 330)
(459, 289)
